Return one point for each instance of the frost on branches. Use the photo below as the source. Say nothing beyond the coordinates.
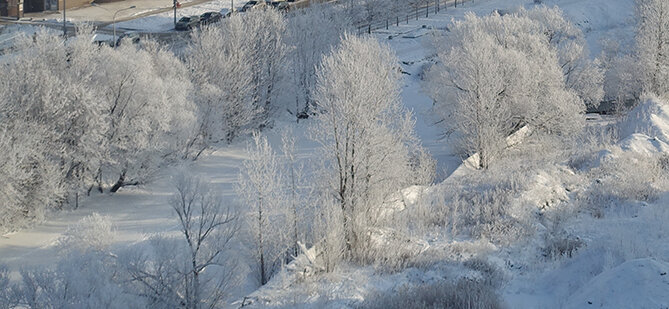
(77, 115)
(653, 44)
(497, 74)
(367, 136)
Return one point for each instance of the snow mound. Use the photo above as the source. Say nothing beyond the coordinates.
(641, 283)
(643, 144)
(548, 189)
(407, 197)
(650, 117)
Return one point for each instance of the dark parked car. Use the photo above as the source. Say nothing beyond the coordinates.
(280, 5)
(188, 22)
(250, 4)
(131, 36)
(210, 18)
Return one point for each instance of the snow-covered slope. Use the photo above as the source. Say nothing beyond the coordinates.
(640, 283)
(650, 117)
(600, 19)
(140, 211)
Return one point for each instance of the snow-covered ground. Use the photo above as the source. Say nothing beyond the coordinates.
(622, 260)
(617, 265)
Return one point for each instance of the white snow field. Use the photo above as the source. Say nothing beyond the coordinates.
(620, 258)
(647, 277)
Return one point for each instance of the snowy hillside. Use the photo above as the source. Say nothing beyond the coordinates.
(326, 168)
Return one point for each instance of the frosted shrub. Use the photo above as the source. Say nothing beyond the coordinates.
(491, 275)
(489, 216)
(8, 291)
(84, 280)
(92, 232)
(629, 177)
(632, 177)
(560, 245)
(485, 202)
(466, 293)
(328, 228)
(479, 205)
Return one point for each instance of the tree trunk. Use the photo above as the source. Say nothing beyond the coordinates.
(119, 183)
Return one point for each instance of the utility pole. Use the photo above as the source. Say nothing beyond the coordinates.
(175, 13)
(64, 21)
(114, 19)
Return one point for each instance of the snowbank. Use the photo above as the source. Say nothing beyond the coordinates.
(650, 117)
(641, 283)
(643, 144)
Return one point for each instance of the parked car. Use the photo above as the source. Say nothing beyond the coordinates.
(227, 12)
(188, 23)
(280, 5)
(210, 18)
(103, 39)
(251, 4)
(131, 36)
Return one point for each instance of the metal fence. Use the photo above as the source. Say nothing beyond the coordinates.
(412, 12)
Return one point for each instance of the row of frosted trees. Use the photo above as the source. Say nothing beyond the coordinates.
(77, 118)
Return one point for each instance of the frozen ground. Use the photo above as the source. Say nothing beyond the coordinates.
(625, 254)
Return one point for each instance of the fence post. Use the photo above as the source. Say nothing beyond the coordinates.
(437, 1)
(398, 21)
(386, 23)
(369, 29)
(416, 13)
(407, 19)
(427, 10)
(456, 3)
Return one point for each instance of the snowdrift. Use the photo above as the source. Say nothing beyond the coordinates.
(650, 117)
(641, 283)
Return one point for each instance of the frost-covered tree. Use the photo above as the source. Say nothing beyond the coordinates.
(263, 29)
(581, 74)
(50, 123)
(498, 74)
(296, 196)
(312, 32)
(260, 188)
(72, 114)
(148, 112)
(367, 136)
(623, 75)
(221, 73)
(190, 271)
(653, 44)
